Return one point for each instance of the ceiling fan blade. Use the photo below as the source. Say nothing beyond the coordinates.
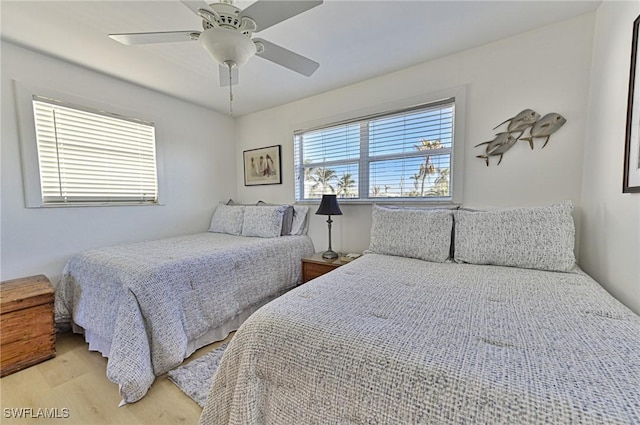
(223, 72)
(267, 13)
(287, 58)
(155, 37)
(195, 5)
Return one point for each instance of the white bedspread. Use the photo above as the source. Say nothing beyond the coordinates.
(142, 303)
(391, 340)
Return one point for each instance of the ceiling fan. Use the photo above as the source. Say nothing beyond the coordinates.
(228, 31)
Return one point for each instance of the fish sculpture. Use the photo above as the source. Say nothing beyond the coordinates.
(521, 121)
(545, 127)
(498, 146)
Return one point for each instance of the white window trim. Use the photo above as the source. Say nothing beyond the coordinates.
(23, 94)
(457, 155)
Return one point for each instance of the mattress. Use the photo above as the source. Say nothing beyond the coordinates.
(394, 340)
(148, 305)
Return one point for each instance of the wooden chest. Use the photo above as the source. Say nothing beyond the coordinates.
(27, 331)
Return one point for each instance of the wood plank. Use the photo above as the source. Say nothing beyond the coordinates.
(23, 325)
(18, 294)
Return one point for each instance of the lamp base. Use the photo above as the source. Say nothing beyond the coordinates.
(329, 255)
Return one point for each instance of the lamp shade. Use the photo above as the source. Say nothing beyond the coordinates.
(227, 45)
(329, 206)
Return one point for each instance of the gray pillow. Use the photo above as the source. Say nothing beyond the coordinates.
(535, 238)
(287, 218)
(263, 221)
(414, 233)
(232, 202)
(227, 219)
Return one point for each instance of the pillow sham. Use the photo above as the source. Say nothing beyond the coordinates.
(227, 219)
(300, 223)
(414, 233)
(287, 218)
(534, 237)
(263, 221)
(234, 203)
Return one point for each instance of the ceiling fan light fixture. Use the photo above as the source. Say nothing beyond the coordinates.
(227, 45)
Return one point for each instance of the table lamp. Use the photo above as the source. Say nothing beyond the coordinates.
(329, 206)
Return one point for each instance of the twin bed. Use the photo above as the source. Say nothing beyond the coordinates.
(149, 305)
(461, 316)
(501, 329)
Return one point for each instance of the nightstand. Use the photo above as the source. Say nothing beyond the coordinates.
(26, 320)
(315, 266)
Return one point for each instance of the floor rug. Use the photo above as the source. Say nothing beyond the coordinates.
(194, 378)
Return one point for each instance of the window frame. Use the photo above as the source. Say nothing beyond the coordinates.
(456, 96)
(24, 96)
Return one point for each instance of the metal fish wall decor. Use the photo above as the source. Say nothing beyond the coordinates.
(498, 146)
(522, 121)
(528, 119)
(545, 127)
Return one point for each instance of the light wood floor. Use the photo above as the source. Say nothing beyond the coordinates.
(76, 380)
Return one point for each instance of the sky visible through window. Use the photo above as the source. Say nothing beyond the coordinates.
(403, 155)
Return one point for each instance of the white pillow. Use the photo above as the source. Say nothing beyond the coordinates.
(227, 219)
(535, 238)
(263, 221)
(300, 224)
(414, 233)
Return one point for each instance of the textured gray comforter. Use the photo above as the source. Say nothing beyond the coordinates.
(142, 304)
(391, 340)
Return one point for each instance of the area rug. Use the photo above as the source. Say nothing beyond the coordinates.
(194, 378)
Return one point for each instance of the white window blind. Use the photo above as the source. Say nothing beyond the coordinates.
(93, 157)
(403, 154)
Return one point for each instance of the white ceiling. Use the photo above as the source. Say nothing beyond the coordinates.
(352, 40)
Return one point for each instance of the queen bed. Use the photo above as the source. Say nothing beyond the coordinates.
(506, 330)
(149, 305)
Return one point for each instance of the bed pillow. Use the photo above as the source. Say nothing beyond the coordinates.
(535, 238)
(300, 223)
(287, 218)
(414, 233)
(263, 221)
(227, 219)
(232, 202)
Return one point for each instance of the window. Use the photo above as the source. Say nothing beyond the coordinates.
(400, 155)
(93, 157)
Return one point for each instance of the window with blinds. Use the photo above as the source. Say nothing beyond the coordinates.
(93, 157)
(404, 154)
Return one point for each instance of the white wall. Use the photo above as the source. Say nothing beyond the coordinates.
(549, 69)
(198, 151)
(610, 245)
(546, 70)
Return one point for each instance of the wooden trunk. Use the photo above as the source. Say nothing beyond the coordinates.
(27, 331)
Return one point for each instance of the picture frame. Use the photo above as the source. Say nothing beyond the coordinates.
(631, 178)
(262, 166)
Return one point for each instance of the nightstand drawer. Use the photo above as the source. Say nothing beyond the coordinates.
(313, 270)
(315, 266)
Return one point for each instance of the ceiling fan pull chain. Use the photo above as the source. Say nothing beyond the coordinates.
(230, 64)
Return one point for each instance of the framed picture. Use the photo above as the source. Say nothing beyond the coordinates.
(631, 183)
(262, 166)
